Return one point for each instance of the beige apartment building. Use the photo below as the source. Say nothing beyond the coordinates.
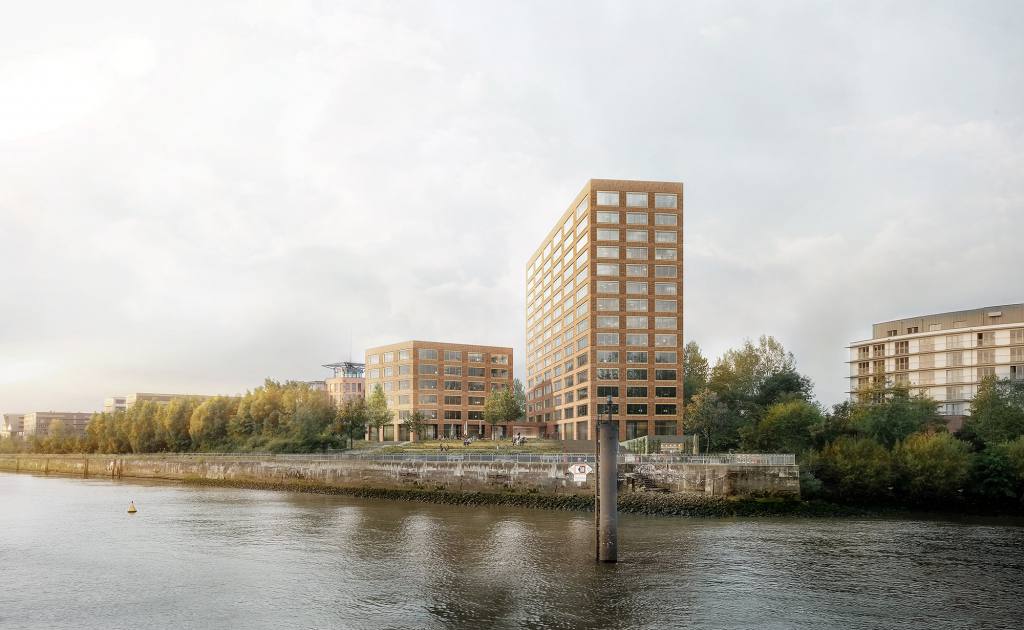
(13, 425)
(446, 382)
(604, 312)
(348, 382)
(123, 403)
(944, 356)
(38, 422)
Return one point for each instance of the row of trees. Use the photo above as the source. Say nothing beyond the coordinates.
(279, 417)
(887, 446)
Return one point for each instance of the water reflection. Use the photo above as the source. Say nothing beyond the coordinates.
(198, 557)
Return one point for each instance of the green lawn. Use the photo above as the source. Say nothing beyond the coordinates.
(478, 446)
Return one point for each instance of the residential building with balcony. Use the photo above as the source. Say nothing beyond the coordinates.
(447, 383)
(604, 312)
(944, 356)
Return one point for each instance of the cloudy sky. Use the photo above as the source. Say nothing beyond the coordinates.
(198, 195)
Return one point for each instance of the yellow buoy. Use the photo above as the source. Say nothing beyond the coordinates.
(131, 507)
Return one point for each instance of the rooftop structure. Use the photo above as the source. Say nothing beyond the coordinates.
(347, 383)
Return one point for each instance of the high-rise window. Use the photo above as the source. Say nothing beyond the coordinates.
(636, 200)
(607, 198)
(452, 355)
(607, 321)
(665, 237)
(607, 269)
(665, 219)
(664, 253)
(665, 323)
(665, 288)
(607, 234)
(665, 271)
(607, 304)
(607, 339)
(608, 252)
(636, 288)
(636, 271)
(636, 236)
(665, 201)
(636, 357)
(636, 304)
(636, 339)
(604, 216)
(428, 354)
(662, 340)
(636, 218)
(635, 253)
(607, 286)
(637, 322)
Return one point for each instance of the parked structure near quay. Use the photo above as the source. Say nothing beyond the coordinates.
(944, 356)
(604, 312)
(447, 383)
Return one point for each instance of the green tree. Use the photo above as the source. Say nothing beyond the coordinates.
(143, 427)
(501, 407)
(208, 426)
(740, 373)
(377, 412)
(414, 422)
(782, 386)
(350, 419)
(852, 468)
(891, 414)
(715, 422)
(520, 394)
(931, 467)
(997, 411)
(174, 421)
(837, 423)
(696, 371)
(785, 428)
(57, 437)
(992, 478)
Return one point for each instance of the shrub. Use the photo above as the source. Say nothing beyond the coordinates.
(931, 467)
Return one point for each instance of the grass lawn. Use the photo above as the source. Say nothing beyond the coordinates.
(478, 446)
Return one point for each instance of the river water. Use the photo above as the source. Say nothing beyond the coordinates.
(71, 557)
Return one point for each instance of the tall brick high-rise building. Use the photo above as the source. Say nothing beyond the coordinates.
(604, 312)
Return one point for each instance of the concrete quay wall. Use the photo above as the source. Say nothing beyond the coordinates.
(721, 480)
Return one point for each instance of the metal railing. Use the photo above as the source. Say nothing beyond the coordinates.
(745, 459)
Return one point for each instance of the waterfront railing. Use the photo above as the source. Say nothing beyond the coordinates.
(744, 459)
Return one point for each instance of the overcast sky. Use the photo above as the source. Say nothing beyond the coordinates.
(198, 195)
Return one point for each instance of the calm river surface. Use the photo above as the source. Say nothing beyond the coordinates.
(70, 557)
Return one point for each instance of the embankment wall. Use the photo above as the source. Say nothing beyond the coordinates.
(719, 480)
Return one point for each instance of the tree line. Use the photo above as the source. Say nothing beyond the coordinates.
(289, 417)
(888, 445)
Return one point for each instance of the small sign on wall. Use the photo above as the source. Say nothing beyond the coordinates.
(579, 472)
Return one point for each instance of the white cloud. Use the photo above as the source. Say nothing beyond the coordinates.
(199, 196)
